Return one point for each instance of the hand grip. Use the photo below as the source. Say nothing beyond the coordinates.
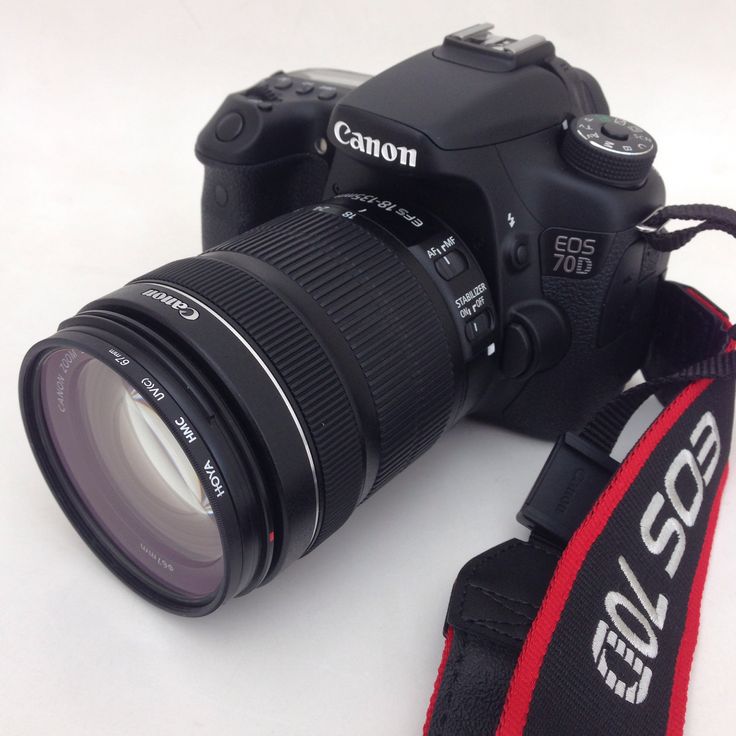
(235, 198)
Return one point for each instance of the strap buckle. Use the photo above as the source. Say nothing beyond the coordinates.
(572, 479)
(647, 227)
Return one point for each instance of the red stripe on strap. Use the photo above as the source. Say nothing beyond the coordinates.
(438, 682)
(524, 680)
(678, 698)
(708, 304)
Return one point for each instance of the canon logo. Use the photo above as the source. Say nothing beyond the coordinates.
(175, 303)
(625, 644)
(373, 146)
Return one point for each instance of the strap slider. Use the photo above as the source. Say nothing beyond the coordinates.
(572, 479)
(651, 224)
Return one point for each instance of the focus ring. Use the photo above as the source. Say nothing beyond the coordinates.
(383, 312)
(297, 357)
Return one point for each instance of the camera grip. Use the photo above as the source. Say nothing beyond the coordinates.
(238, 197)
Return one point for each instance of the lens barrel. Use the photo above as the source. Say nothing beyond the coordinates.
(299, 367)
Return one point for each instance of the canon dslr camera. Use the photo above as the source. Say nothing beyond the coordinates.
(455, 236)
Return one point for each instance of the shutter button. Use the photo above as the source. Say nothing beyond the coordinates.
(229, 127)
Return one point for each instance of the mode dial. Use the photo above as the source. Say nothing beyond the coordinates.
(609, 149)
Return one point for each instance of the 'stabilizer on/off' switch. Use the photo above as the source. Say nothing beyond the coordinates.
(480, 326)
(451, 264)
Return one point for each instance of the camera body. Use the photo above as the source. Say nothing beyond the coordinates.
(515, 150)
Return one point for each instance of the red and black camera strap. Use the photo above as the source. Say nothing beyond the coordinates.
(589, 627)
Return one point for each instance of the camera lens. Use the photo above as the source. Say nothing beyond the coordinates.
(130, 472)
(221, 416)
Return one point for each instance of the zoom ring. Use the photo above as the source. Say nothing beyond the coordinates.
(297, 357)
(382, 311)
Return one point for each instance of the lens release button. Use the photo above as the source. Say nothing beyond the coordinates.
(479, 327)
(451, 264)
(517, 350)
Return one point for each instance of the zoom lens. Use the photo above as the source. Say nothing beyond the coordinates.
(221, 416)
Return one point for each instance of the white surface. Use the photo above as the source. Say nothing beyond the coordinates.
(100, 104)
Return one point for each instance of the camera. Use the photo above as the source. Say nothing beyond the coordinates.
(383, 256)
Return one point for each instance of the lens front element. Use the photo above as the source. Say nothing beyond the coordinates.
(130, 473)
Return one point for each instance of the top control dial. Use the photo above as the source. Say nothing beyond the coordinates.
(609, 149)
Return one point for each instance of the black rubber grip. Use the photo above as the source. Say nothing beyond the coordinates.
(298, 359)
(382, 311)
(236, 198)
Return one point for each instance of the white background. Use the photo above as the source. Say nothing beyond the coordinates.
(100, 104)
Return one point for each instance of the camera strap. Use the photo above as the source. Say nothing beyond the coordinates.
(589, 627)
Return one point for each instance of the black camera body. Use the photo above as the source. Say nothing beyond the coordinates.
(511, 147)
